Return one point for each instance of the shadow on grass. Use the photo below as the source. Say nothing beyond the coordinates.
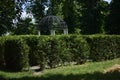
(95, 76)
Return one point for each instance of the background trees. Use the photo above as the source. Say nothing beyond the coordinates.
(113, 20)
(7, 14)
(22, 24)
(37, 8)
(85, 16)
(25, 26)
(11, 15)
(92, 18)
(55, 7)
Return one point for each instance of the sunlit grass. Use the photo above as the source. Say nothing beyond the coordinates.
(88, 71)
(11, 75)
(82, 69)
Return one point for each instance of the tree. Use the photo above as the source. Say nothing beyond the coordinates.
(86, 15)
(70, 14)
(37, 8)
(7, 14)
(65, 9)
(25, 26)
(92, 16)
(104, 10)
(55, 7)
(112, 25)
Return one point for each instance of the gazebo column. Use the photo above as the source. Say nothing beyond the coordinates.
(52, 32)
(39, 33)
(65, 31)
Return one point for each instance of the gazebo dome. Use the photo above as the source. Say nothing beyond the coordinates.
(52, 23)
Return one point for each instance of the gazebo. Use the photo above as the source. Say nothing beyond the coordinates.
(52, 23)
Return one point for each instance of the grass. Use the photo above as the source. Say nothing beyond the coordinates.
(88, 71)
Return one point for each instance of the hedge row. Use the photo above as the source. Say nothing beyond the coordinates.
(2, 63)
(14, 53)
(51, 51)
(54, 51)
(19, 52)
(103, 47)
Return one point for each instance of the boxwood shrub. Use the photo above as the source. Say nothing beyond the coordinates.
(65, 55)
(2, 61)
(79, 48)
(53, 51)
(117, 40)
(32, 41)
(16, 54)
(104, 47)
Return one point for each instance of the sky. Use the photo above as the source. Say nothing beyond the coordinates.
(108, 0)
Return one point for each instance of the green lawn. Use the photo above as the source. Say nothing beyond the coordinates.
(88, 71)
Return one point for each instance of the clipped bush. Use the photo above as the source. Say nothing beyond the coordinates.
(79, 48)
(40, 54)
(32, 42)
(66, 56)
(102, 47)
(117, 40)
(16, 54)
(2, 61)
(53, 51)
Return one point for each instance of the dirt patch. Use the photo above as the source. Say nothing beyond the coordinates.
(114, 68)
(36, 70)
(35, 67)
(37, 73)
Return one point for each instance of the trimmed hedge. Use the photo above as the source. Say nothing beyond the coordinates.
(76, 49)
(79, 48)
(18, 52)
(2, 61)
(117, 40)
(104, 47)
(54, 51)
(32, 42)
(66, 56)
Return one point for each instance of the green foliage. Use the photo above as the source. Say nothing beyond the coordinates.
(24, 26)
(37, 47)
(42, 52)
(74, 49)
(16, 54)
(92, 18)
(88, 71)
(7, 13)
(37, 9)
(54, 51)
(103, 47)
(65, 55)
(79, 49)
(55, 7)
(117, 40)
(88, 16)
(70, 15)
(32, 42)
(112, 25)
(2, 61)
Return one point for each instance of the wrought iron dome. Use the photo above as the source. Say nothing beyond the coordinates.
(52, 23)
